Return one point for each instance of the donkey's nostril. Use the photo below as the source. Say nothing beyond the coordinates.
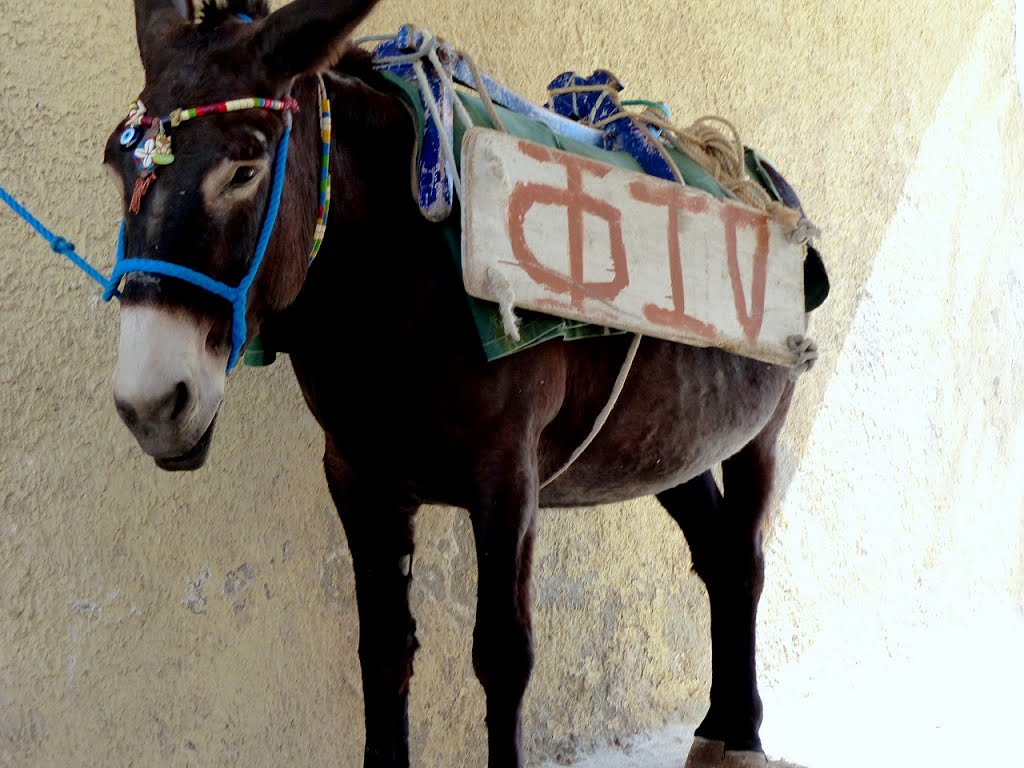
(126, 412)
(170, 407)
(181, 399)
(142, 413)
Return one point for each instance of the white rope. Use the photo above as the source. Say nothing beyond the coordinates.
(485, 95)
(428, 50)
(602, 417)
(500, 286)
(449, 84)
(428, 41)
(503, 289)
(805, 231)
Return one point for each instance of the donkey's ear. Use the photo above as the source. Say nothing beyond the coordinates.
(154, 19)
(308, 35)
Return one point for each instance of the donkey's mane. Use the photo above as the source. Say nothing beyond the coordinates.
(213, 13)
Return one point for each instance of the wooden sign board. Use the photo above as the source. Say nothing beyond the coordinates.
(587, 241)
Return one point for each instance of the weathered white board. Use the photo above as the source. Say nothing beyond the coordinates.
(587, 241)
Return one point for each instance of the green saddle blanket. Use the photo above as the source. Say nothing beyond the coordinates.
(534, 327)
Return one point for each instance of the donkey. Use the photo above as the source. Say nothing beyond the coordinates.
(435, 423)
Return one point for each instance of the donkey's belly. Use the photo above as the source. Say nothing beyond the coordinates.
(683, 410)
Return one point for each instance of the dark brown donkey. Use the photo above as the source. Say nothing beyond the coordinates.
(413, 414)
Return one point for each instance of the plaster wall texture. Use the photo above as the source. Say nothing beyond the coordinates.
(151, 619)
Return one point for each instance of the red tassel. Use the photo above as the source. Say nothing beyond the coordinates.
(141, 187)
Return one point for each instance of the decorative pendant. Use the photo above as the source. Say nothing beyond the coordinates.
(162, 149)
(144, 155)
(154, 150)
(130, 138)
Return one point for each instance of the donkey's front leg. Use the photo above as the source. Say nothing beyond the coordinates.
(379, 529)
(504, 524)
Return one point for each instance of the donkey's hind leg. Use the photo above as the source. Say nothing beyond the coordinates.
(725, 539)
(379, 529)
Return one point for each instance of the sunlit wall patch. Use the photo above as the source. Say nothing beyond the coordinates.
(1018, 34)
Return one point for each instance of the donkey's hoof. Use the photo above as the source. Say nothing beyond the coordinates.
(745, 760)
(705, 753)
(806, 351)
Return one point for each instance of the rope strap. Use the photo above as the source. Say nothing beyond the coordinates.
(711, 141)
(602, 417)
(179, 116)
(237, 295)
(57, 244)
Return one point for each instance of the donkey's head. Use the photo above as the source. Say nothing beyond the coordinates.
(196, 189)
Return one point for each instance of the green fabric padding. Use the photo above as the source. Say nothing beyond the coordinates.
(256, 355)
(535, 327)
(538, 132)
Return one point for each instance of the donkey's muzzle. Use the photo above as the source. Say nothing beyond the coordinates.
(168, 384)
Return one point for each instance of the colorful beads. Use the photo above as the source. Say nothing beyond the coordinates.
(136, 114)
(155, 147)
(137, 110)
(325, 173)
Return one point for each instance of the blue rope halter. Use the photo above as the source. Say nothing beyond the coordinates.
(236, 295)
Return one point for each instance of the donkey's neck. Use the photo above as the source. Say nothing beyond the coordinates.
(380, 258)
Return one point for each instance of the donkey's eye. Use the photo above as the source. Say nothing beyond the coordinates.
(244, 175)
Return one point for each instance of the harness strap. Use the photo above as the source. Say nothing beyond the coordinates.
(237, 295)
(325, 170)
(602, 417)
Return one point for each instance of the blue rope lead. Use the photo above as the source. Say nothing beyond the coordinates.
(57, 243)
(237, 295)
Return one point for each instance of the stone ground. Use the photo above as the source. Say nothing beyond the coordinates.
(665, 749)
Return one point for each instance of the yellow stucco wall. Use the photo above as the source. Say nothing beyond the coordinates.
(149, 619)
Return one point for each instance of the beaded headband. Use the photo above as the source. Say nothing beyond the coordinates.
(152, 147)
